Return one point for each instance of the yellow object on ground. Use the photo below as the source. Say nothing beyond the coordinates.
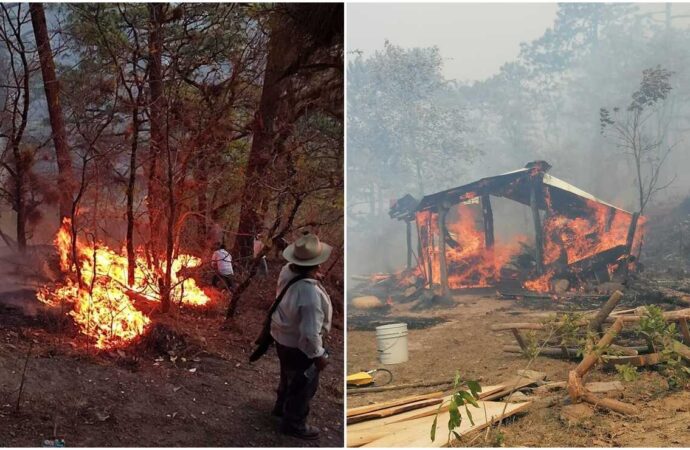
(360, 379)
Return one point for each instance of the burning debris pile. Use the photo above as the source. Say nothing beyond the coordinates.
(577, 237)
(102, 303)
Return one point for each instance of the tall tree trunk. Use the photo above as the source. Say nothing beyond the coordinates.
(19, 200)
(57, 122)
(170, 237)
(278, 60)
(131, 257)
(157, 116)
(202, 201)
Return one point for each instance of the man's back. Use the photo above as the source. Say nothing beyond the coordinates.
(223, 262)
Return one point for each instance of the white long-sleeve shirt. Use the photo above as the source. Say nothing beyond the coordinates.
(222, 262)
(303, 316)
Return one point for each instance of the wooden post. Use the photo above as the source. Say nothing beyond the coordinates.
(631, 232)
(442, 213)
(536, 193)
(610, 215)
(521, 342)
(430, 249)
(488, 214)
(408, 226)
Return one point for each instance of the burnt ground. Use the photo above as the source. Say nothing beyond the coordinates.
(203, 392)
(463, 341)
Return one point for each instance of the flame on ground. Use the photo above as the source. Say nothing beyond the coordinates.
(101, 304)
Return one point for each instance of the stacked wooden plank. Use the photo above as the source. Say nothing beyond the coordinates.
(407, 422)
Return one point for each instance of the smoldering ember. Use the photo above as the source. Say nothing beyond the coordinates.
(518, 215)
(156, 161)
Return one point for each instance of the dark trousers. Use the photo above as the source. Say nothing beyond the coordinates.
(223, 281)
(295, 390)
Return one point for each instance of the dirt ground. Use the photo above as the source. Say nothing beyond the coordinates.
(206, 394)
(464, 342)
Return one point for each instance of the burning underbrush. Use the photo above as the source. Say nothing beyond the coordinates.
(101, 302)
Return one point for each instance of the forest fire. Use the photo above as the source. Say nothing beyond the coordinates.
(101, 302)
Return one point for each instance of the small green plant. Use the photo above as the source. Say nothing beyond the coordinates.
(459, 399)
(627, 372)
(569, 330)
(655, 329)
(499, 439)
(531, 345)
(662, 337)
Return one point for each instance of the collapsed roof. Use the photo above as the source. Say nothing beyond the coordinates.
(565, 198)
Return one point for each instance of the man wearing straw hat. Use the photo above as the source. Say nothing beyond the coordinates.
(301, 319)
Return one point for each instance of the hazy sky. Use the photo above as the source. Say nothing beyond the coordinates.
(474, 39)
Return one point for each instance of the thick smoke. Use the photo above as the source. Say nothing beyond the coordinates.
(410, 130)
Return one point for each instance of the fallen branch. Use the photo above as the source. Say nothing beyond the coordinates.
(21, 384)
(578, 392)
(365, 390)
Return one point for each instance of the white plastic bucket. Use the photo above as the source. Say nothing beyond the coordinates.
(391, 343)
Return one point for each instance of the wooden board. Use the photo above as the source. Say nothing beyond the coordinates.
(393, 410)
(384, 405)
(422, 412)
(416, 433)
(513, 384)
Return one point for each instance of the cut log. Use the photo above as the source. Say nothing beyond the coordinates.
(519, 339)
(401, 401)
(546, 351)
(591, 358)
(597, 322)
(365, 390)
(638, 361)
(517, 326)
(609, 403)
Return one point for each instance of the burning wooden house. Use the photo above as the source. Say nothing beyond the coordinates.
(577, 237)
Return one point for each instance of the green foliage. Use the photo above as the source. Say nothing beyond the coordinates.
(531, 345)
(654, 327)
(627, 372)
(499, 439)
(461, 398)
(662, 337)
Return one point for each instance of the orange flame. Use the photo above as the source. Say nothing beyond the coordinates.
(469, 262)
(574, 239)
(101, 304)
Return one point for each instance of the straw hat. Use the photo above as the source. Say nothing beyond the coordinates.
(307, 251)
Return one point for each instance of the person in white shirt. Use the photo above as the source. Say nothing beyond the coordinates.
(222, 264)
(298, 326)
